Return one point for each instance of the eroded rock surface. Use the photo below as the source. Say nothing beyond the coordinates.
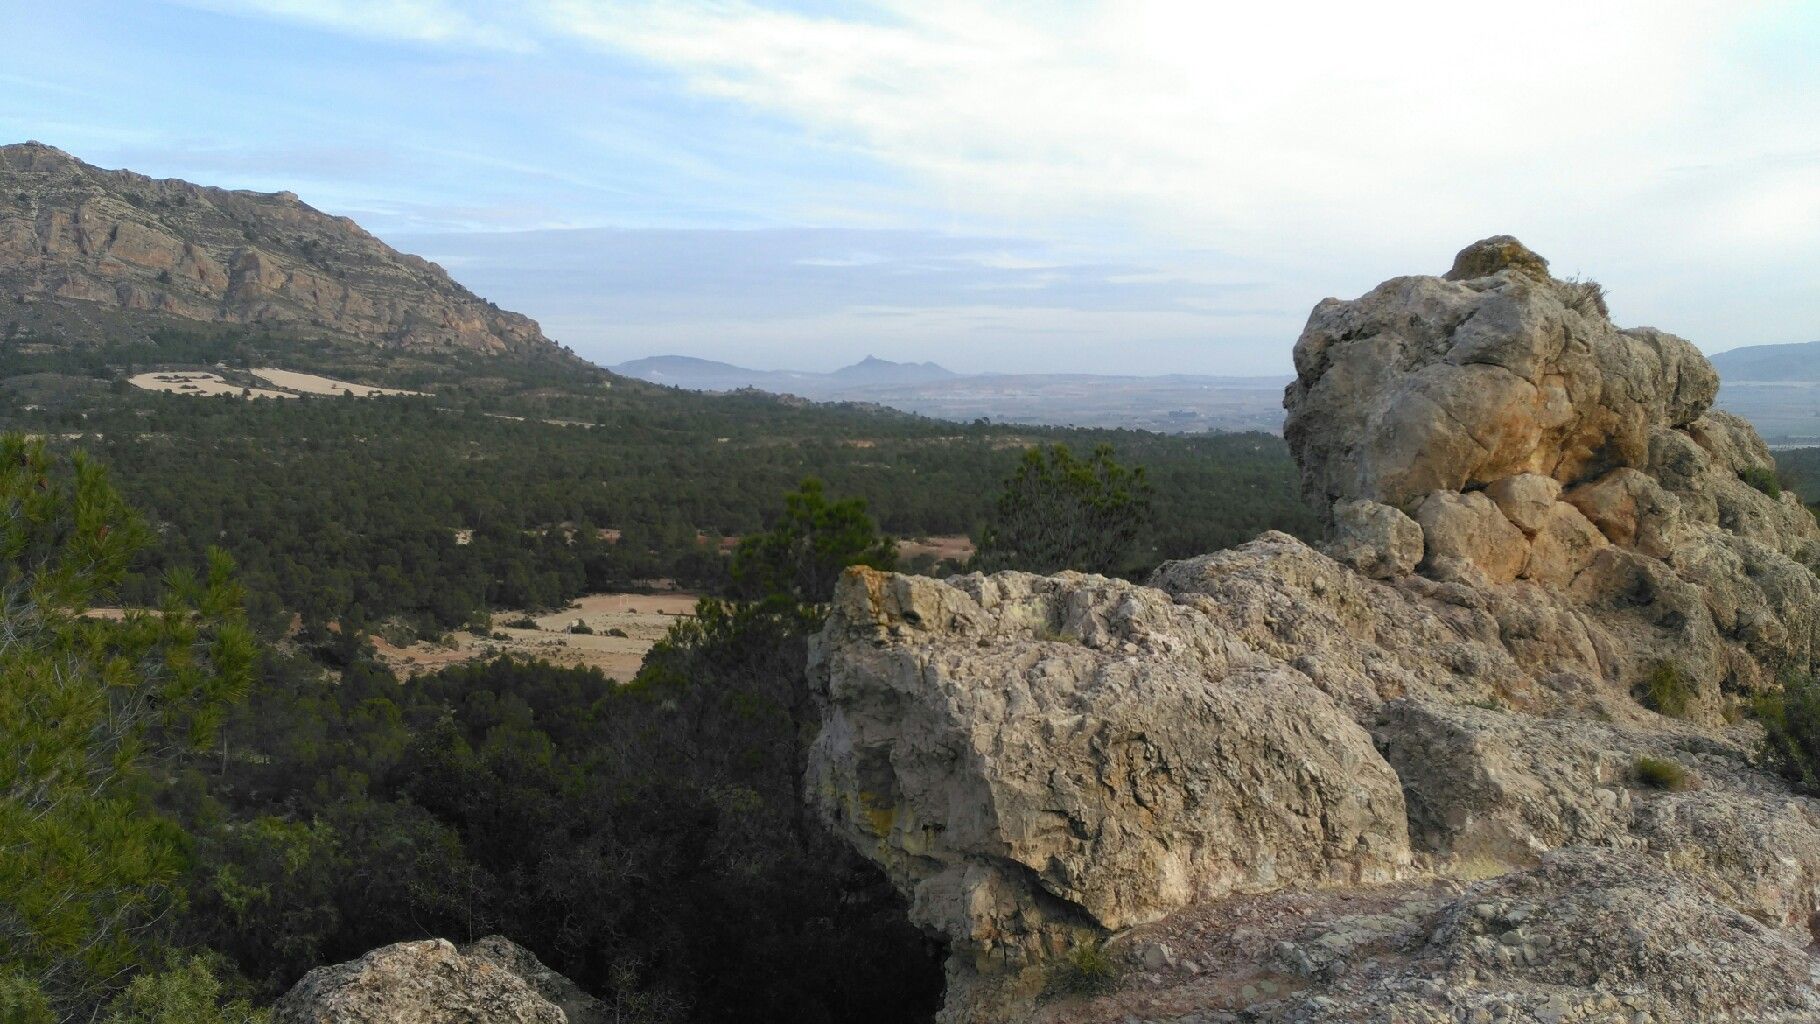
(493, 981)
(76, 240)
(1533, 513)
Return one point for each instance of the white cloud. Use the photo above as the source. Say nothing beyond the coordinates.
(1301, 135)
(1667, 147)
(437, 22)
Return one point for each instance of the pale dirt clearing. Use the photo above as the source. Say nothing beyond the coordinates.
(643, 618)
(957, 548)
(188, 382)
(311, 384)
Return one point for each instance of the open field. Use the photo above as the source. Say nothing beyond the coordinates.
(643, 618)
(189, 382)
(285, 384)
(311, 384)
(956, 548)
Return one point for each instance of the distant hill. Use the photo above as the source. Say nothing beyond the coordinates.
(1773, 363)
(872, 370)
(1178, 403)
(88, 254)
(694, 374)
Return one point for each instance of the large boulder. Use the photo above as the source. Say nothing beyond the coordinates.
(1524, 432)
(1376, 540)
(1035, 756)
(1431, 383)
(494, 981)
(1272, 780)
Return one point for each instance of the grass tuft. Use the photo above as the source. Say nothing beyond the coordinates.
(1661, 773)
(1087, 970)
(1668, 690)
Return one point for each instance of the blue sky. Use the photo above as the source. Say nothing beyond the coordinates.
(1146, 186)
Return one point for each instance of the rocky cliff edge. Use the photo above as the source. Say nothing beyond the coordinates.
(83, 250)
(1404, 777)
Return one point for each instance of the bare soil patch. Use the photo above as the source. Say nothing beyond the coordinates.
(643, 619)
(311, 384)
(956, 547)
(193, 382)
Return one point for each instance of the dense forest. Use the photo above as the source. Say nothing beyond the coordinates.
(336, 507)
(192, 818)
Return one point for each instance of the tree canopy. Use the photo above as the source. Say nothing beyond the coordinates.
(1059, 511)
(90, 707)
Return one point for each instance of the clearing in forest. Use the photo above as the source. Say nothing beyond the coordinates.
(621, 629)
(311, 384)
(193, 382)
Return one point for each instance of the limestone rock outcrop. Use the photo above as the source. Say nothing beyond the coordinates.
(1075, 765)
(84, 250)
(1404, 774)
(1532, 439)
(493, 981)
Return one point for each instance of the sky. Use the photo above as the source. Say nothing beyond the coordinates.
(1141, 186)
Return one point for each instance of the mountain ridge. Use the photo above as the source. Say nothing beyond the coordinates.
(86, 251)
(1798, 360)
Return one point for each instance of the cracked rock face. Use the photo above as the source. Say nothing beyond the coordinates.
(77, 238)
(1086, 753)
(1532, 511)
(1531, 439)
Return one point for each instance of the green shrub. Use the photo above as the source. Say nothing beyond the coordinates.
(581, 628)
(1661, 773)
(1668, 690)
(1791, 731)
(1087, 970)
(183, 993)
(522, 622)
(1763, 479)
(22, 1001)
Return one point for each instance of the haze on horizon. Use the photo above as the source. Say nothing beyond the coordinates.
(1144, 187)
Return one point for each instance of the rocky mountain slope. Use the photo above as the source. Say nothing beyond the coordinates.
(89, 254)
(1404, 779)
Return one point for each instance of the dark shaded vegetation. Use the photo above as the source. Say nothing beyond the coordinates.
(1087, 970)
(651, 841)
(1790, 718)
(1764, 479)
(1668, 689)
(1661, 773)
(267, 815)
